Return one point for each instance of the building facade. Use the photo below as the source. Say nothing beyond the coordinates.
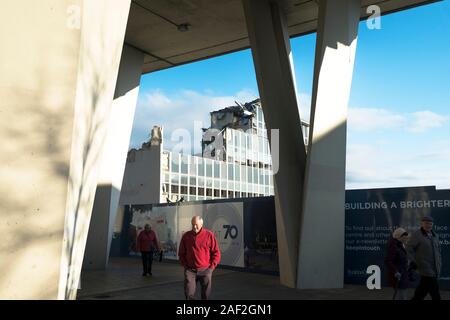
(235, 162)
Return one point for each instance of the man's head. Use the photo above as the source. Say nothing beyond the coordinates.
(147, 227)
(197, 224)
(427, 223)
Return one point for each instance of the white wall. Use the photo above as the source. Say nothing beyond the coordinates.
(142, 178)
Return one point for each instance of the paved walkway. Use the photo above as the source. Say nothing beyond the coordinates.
(123, 280)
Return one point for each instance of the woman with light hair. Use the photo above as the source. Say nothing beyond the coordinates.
(397, 263)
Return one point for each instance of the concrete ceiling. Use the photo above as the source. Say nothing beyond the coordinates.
(215, 27)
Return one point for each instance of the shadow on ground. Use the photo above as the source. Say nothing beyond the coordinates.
(123, 280)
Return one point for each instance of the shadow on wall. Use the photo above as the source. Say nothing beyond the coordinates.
(37, 141)
(36, 130)
(82, 185)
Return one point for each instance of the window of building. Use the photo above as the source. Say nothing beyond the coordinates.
(175, 178)
(175, 163)
(201, 191)
(193, 181)
(192, 191)
(184, 190)
(216, 169)
(193, 166)
(184, 180)
(223, 193)
(184, 164)
(174, 189)
(208, 167)
(216, 193)
(223, 170)
(230, 171)
(208, 192)
(201, 167)
(230, 194)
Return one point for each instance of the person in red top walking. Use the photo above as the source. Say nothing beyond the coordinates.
(147, 244)
(199, 254)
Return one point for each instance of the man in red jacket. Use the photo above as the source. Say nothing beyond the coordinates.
(147, 244)
(199, 254)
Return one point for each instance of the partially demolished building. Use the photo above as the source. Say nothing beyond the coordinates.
(235, 162)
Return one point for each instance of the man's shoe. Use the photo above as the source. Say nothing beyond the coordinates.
(144, 274)
(150, 273)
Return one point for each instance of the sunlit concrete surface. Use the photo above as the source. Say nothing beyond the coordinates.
(321, 263)
(113, 160)
(59, 64)
(123, 280)
(272, 56)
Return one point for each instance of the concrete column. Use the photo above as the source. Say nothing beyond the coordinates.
(321, 254)
(58, 68)
(269, 41)
(113, 160)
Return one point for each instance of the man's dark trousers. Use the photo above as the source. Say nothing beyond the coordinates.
(191, 276)
(147, 260)
(427, 285)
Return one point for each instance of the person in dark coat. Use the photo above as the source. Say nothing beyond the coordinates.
(424, 251)
(397, 263)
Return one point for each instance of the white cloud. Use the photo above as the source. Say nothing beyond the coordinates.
(376, 166)
(424, 120)
(371, 119)
(179, 111)
(367, 119)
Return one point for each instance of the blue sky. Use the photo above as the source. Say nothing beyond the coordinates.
(399, 109)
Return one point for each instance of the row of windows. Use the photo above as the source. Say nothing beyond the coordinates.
(235, 173)
(230, 187)
(184, 190)
(221, 170)
(237, 139)
(230, 195)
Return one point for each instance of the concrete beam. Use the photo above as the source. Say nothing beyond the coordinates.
(54, 106)
(113, 160)
(321, 252)
(272, 57)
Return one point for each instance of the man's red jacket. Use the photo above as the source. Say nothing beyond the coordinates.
(147, 241)
(199, 250)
